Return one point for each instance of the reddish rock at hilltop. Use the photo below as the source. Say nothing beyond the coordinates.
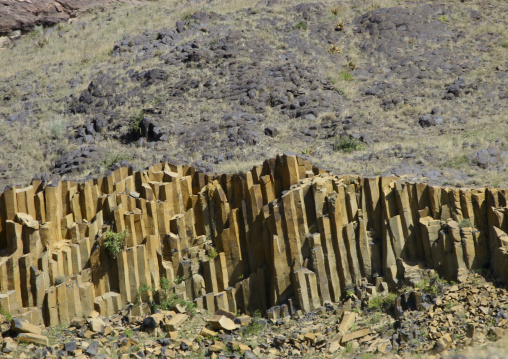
(24, 15)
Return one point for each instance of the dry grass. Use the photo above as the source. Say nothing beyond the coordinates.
(84, 51)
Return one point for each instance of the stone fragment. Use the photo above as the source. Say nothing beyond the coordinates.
(97, 324)
(348, 319)
(32, 339)
(207, 333)
(355, 335)
(175, 322)
(22, 326)
(222, 322)
(9, 345)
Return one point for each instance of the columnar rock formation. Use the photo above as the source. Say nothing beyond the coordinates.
(284, 236)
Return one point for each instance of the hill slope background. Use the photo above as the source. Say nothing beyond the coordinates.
(416, 89)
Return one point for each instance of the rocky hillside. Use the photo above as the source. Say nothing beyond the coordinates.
(450, 319)
(155, 227)
(416, 89)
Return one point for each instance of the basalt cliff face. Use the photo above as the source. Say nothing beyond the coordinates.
(284, 236)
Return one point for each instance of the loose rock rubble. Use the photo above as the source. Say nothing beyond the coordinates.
(439, 320)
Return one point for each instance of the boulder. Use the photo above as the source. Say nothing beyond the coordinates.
(222, 322)
(32, 339)
(22, 326)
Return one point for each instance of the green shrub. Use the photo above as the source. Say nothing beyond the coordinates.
(6, 314)
(443, 19)
(302, 25)
(57, 127)
(346, 76)
(212, 253)
(431, 285)
(381, 302)
(214, 41)
(351, 65)
(376, 318)
(128, 333)
(136, 123)
(255, 327)
(187, 17)
(114, 242)
(110, 159)
(348, 145)
(166, 299)
(466, 222)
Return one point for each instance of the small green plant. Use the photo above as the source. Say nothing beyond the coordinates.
(334, 49)
(136, 123)
(348, 348)
(348, 145)
(179, 280)
(37, 31)
(159, 99)
(351, 65)
(166, 299)
(302, 25)
(214, 41)
(57, 128)
(212, 253)
(145, 289)
(350, 293)
(381, 302)
(255, 326)
(480, 271)
(186, 17)
(128, 333)
(376, 318)
(112, 159)
(444, 19)
(431, 285)
(306, 151)
(457, 162)
(6, 314)
(466, 222)
(346, 76)
(504, 44)
(114, 242)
